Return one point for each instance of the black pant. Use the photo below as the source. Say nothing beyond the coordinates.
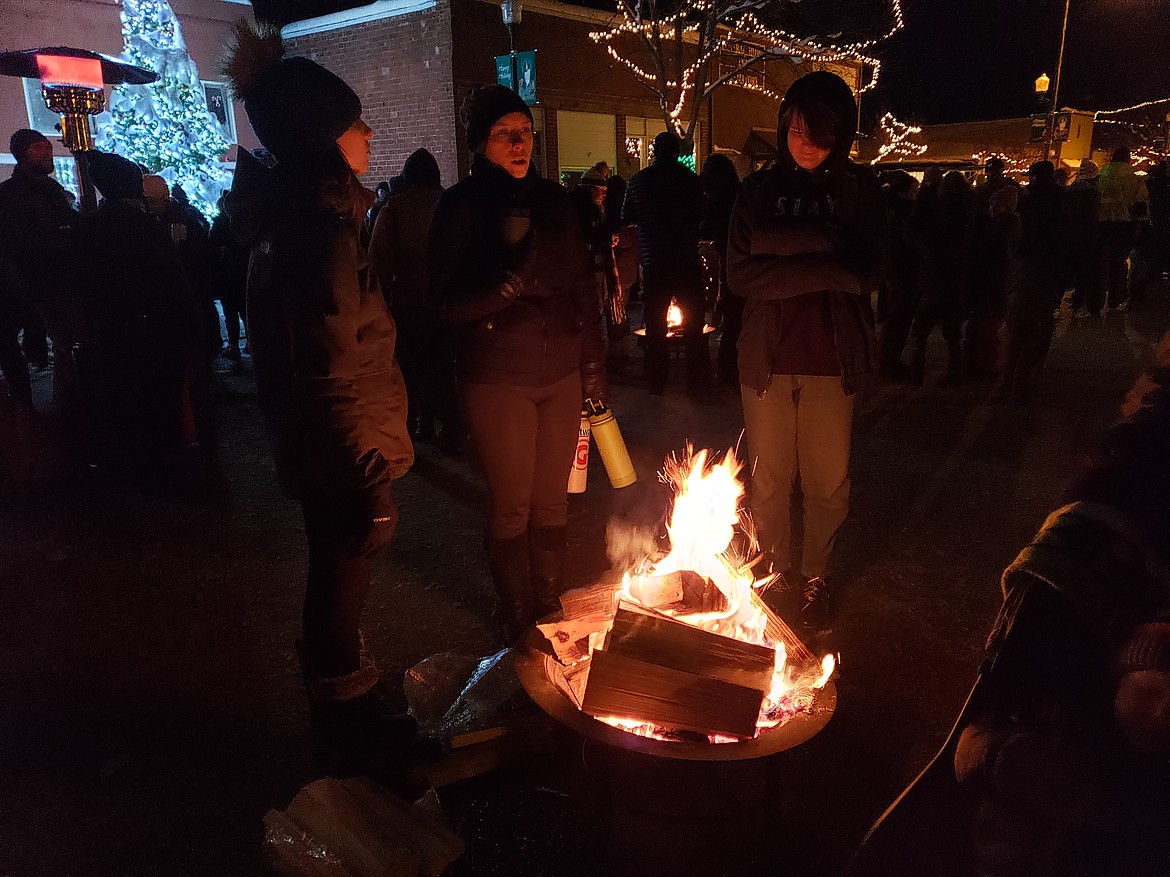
(425, 353)
(1116, 242)
(900, 310)
(343, 541)
(232, 301)
(12, 362)
(683, 284)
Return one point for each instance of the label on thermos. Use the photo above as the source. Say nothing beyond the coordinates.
(580, 471)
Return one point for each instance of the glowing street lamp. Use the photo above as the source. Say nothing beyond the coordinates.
(1042, 82)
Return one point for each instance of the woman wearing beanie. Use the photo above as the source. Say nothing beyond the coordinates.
(330, 390)
(509, 266)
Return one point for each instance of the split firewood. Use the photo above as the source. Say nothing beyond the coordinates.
(364, 830)
(623, 686)
(571, 680)
(664, 641)
(294, 853)
(570, 639)
(597, 600)
(655, 591)
(777, 630)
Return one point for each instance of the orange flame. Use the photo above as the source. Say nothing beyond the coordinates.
(707, 510)
(674, 317)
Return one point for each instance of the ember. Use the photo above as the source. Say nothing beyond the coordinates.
(683, 647)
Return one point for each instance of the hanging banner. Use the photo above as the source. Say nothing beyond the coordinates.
(518, 72)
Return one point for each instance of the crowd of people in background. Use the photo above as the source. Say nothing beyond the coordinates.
(990, 264)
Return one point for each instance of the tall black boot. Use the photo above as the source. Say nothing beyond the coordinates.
(548, 568)
(508, 563)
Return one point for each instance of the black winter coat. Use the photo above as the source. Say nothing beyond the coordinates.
(35, 221)
(665, 201)
(529, 313)
(322, 339)
(778, 251)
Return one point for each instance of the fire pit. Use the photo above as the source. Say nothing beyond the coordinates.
(674, 326)
(682, 658)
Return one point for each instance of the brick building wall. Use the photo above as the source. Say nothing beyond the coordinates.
(401, 69)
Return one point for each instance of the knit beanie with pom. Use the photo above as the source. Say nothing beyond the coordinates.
(295, 105)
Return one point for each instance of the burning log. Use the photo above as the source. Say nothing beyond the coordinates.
(633, 689)
(585, 612)
(658, 670)
(593, 600)
(660, 640)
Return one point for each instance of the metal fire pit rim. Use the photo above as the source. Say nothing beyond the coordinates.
(532, 657)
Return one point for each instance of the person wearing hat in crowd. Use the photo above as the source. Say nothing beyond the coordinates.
(804, 249)
(330, 390)
(665, 202)
(589, 200)
(35, 223)
(1036, 284)
(1082, 208)
(144, 328)
(510, 268)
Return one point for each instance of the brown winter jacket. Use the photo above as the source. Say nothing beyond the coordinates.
(553, 324)
(322, 341)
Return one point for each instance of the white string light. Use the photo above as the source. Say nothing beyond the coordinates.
(716, 27)
(1100, 114)
(900, 142)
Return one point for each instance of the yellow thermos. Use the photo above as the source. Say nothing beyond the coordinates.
(610, 444)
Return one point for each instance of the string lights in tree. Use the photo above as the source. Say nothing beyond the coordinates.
(166, 126)
(701, 44)
(902, 140)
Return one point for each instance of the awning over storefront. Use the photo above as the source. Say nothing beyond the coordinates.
(760, 144)
(737, 114)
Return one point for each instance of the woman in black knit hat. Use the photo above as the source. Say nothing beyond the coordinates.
(509, 267)
(330, 390)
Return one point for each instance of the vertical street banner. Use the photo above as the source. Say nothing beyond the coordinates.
(1061, 126)
(522, 77)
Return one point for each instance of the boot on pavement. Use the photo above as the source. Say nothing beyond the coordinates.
(509, 567)
(548, 568)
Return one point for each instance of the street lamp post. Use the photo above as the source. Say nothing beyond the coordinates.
(1041, 85)
(512, 12)
(1056, 86)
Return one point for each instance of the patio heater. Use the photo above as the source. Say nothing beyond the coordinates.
(73, 85)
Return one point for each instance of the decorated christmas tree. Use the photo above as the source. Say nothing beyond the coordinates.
(165, 126)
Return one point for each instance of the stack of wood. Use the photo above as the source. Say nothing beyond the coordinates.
(354, 828)
(646, 666)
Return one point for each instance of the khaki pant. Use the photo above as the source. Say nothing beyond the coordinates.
(802, 424)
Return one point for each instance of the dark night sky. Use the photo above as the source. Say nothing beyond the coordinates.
(958, 60)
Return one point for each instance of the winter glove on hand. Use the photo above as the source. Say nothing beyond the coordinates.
(594, 382)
